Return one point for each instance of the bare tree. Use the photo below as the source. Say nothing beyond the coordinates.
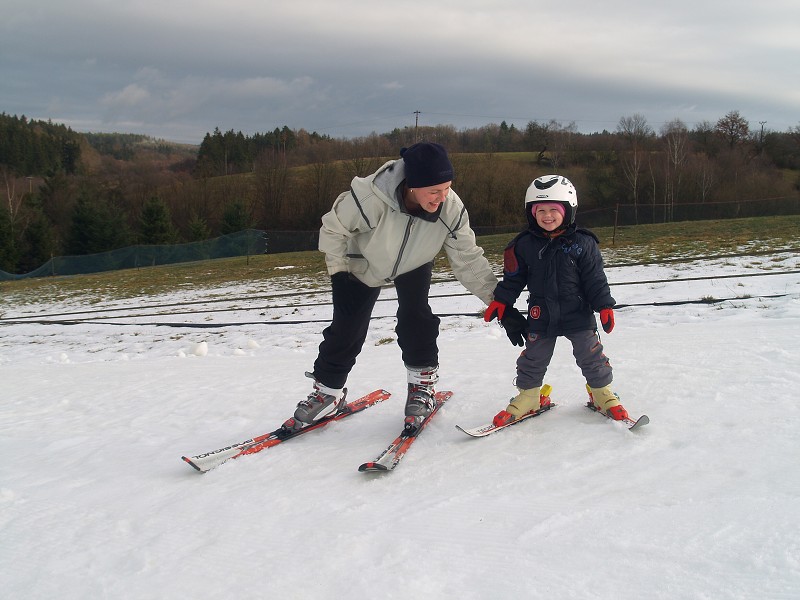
(14, 199)
(635, 131)
(272, 176)
(794, 132)
(705, 175)
(537, 139)
(733, 128)
(561, 136)
(322, 184)
(361, 167)
(676, 139)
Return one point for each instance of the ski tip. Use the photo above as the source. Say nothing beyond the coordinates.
(190, 463)
(476, 431)
(372, 467)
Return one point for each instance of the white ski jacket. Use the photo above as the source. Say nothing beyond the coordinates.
(368, 233)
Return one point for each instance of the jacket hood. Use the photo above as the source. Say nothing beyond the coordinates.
(384, 184)
(385, 181)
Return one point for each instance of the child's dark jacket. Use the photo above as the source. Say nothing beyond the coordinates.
(565, 280)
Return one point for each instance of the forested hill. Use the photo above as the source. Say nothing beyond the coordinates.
(70, 193)
(35, 148)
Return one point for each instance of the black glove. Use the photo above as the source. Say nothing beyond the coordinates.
(516, 325)
(512, 320)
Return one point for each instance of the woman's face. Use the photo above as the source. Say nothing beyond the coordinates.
(429, 198)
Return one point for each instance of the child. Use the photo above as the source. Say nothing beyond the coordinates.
(563, 269)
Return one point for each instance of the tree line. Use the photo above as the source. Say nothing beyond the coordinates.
(69, 193)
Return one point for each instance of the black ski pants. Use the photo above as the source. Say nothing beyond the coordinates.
(417, 327)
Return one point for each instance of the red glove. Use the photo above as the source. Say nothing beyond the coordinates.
(607, 319)
(496, 309)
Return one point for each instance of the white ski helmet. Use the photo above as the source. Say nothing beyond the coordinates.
(552, 188)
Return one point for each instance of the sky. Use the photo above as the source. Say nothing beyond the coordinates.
(177, 70)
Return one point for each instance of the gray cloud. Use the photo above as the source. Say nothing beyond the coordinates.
(179, 69)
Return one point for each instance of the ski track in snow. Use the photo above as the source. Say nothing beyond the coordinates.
(702, 503)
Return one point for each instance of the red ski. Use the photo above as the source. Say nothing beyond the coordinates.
(208, 460)
(391, 457)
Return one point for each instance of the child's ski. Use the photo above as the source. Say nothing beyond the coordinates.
(490, 428)
(632, 424)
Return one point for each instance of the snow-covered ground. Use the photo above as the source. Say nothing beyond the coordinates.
(702, 503)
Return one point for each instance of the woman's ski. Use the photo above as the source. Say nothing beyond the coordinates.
(208, 460)
(391, 457)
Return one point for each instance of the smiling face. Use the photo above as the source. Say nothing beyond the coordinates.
(548, 216)
(428, 198)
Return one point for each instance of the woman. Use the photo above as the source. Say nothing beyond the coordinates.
(387, 229)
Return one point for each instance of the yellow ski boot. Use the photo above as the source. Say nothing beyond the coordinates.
(524, 402)
(607, 402)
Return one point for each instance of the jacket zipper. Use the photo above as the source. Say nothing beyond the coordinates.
(406, 235)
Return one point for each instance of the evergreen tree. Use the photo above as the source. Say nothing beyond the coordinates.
(8, 255)
(235, 218)
(198, 229)
(38, 243)
(156, 224)
(32, 148)
(70, 156)
(96, 226)
(211, 157)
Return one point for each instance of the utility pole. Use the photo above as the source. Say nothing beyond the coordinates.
(416, 125)
(761, 138)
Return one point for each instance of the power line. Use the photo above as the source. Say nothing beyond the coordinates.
(475, 314)
(109, 319)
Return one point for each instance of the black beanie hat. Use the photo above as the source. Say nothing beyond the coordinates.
(426, 165)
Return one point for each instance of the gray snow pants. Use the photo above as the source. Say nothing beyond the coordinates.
(586, 348)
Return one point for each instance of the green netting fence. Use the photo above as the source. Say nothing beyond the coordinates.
(255, 241)
(244, 243)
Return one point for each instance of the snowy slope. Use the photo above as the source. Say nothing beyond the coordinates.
(702, 503)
